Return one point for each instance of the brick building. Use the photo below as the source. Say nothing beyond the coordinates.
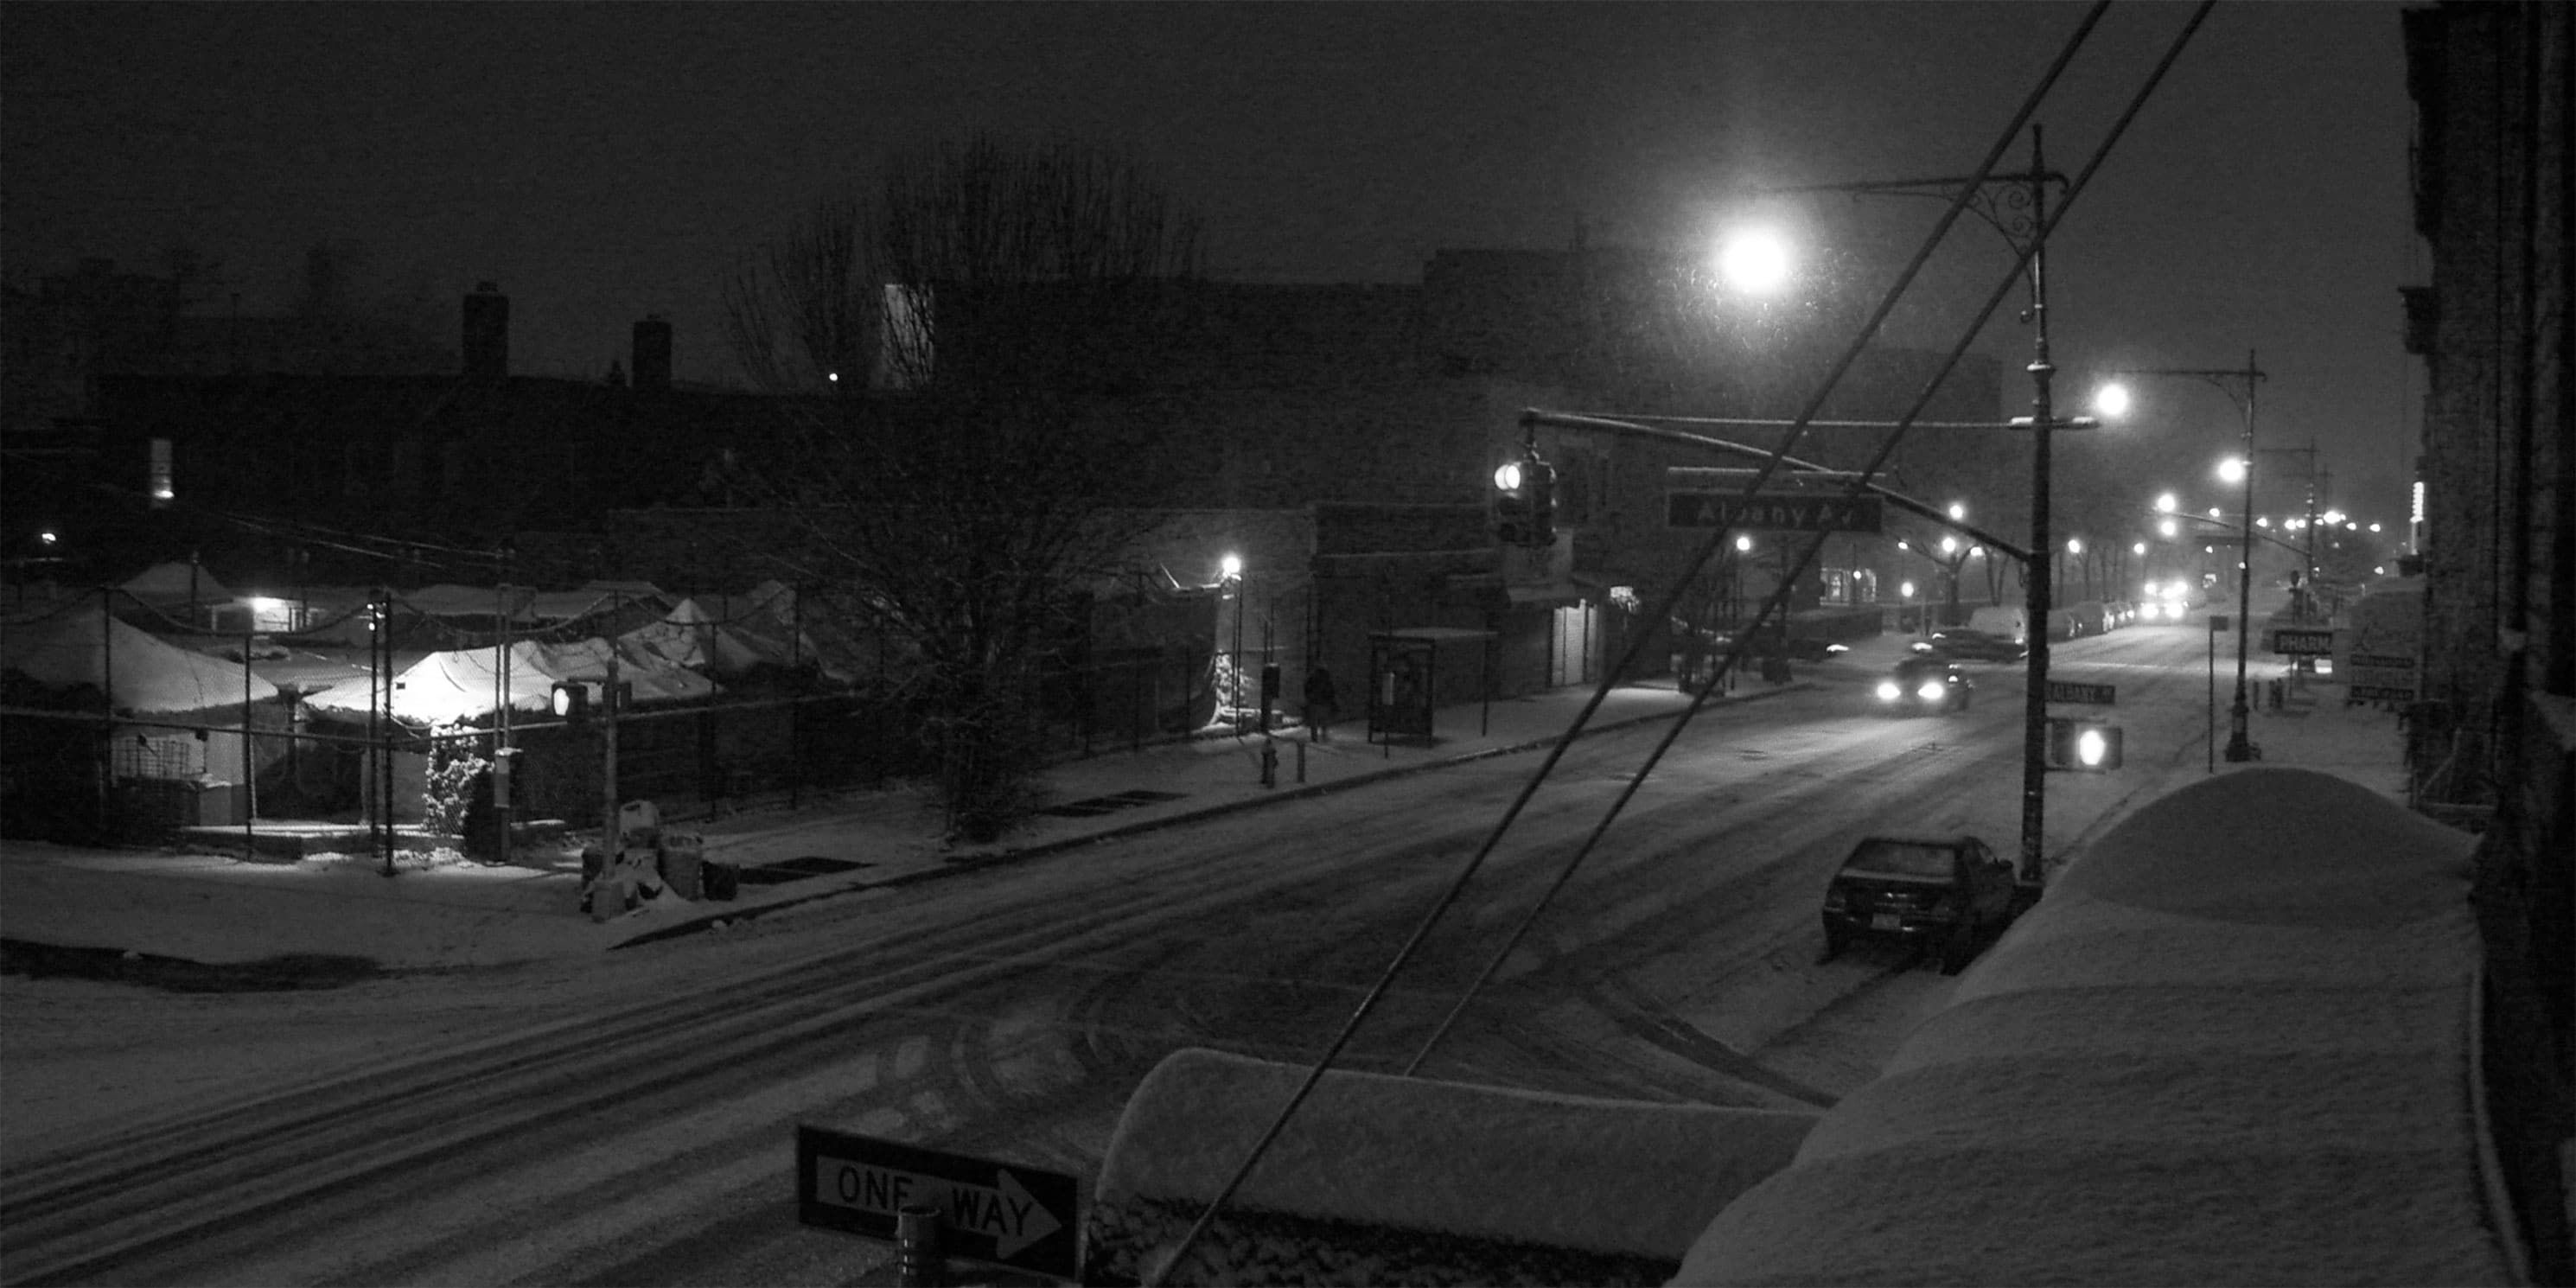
(2493, 743)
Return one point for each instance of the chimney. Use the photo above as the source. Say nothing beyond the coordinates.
(652, 364)
(487, 334)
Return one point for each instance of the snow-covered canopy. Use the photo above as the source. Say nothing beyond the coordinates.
(175, 584)
(688, 637)
(767, 620)
(80, 645)
(2232, 1045)
(1509, 1186)
(464, 684)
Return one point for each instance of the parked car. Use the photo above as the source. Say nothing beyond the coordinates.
(1971, 645)
(1925, 683)
(1948, 894)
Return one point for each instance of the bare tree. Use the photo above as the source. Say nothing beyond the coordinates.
(951, 338)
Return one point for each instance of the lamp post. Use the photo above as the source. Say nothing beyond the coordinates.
(2239, 384)
(1230, 571)
(2016, 206)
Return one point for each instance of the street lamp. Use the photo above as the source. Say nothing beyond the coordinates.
(1755, 261)
(2239, 384)
(2016, 206)
(1230, 573)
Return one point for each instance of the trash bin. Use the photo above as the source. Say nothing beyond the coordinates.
(722, 881)
(683, 862)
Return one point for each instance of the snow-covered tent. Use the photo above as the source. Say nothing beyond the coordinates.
(141, 672)
(768, 621)
(599, 598)
(447, 599)
(687, 636)
(464, 684)
(175, 585)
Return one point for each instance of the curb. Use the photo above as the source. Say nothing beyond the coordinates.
(1007, 857)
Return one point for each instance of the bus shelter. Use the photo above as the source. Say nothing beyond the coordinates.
(1404, 682)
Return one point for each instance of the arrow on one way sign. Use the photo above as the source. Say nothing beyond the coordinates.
(987, 1210)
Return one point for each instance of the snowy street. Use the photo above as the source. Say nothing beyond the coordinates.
(627, 1117)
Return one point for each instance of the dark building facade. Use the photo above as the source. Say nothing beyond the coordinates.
(2493, 741)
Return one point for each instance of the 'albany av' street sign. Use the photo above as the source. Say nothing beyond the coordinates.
(988, 1210)
(1785, 512)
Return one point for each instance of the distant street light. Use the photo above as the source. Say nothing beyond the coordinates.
(2239, 384)
(2166, 504)
(1230, 570)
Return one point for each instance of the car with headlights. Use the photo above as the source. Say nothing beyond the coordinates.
(1925, 683)
(1968, 644)
(1948, 894)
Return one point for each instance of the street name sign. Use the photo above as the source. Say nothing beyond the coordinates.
(2309, 643)
(1789, 512)
(2073, 691)
(988, 1210)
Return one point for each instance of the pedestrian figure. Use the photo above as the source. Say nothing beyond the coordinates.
(1321, 704)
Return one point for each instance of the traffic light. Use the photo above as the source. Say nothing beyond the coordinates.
(1511, 505)
(1538, 478)
(572, 702)
(1525, 502)
(2086, 746)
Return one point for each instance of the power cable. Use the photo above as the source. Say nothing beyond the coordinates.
(1663, 611)
(1813, 547)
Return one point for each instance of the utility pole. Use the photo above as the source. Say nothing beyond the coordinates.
(609, 840)
(2016, 206)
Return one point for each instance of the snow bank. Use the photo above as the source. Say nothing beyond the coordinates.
(1382, 1179)
(2234, 1044)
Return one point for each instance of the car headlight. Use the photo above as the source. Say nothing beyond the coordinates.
(1931, 691)
(1888, 692)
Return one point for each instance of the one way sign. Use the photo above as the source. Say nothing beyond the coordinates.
(988, 1210)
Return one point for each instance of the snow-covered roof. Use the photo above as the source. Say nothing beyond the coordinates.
(80, 646)
(1507, 1185)
(2234, 1044)
(172, 582)
(463, 684)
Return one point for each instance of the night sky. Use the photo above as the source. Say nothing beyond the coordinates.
(604, 161)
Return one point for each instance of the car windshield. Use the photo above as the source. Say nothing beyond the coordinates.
(1901, 858)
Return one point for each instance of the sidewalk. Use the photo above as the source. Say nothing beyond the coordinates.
(214, 908)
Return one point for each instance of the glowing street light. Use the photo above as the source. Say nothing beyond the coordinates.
(2240, 384)
(2111, 401)
(1755, 261)
(2165, 503)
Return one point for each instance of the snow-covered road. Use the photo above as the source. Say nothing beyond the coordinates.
(629, 1118)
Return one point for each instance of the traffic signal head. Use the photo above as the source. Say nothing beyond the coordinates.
(2086, 746)
(572, 701)
(1511, 505)
(1525, 502)
(1538, 479)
